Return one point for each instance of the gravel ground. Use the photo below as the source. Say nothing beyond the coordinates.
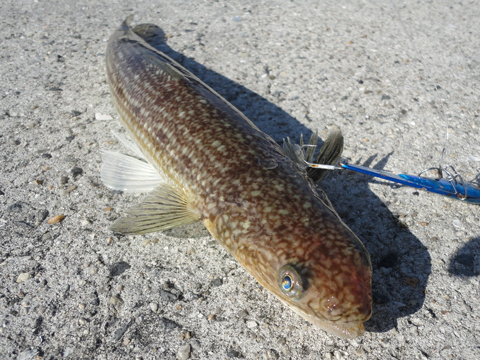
(394, 76)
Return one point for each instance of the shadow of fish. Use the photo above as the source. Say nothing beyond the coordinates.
(204, 160)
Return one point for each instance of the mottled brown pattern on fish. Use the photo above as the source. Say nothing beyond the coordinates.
(266, 216)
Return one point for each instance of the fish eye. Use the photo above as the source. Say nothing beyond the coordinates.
(290, 282)
(287, 283)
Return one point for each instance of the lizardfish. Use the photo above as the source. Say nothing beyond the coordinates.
(204, 160)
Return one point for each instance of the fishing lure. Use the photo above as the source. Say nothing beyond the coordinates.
(451, 185)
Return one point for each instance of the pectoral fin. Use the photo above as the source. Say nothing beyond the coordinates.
(164, 208)
(126, 173)
(129, 144)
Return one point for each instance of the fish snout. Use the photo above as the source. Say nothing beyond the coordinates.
(351, 302)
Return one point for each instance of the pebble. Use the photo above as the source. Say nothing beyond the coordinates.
(23, 277)
(119, 268)
(217, 282)
(340, 355)
(270, 354)
(41, 310)
(15, 208)
(27, 354)
(242, 314)
(234, 353)
(42, 215)
(68, 351)
(184, 352)
(76, 171)
(360, 352)
(69, 190)
(167, 296)
(416, 322)
(251, 324)
(85, 222)
(413, 282)
(102, 117)
(115, 300)
(63, 180)
(153, 307)
(56, 219)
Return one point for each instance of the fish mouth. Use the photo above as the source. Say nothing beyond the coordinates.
(352, 332)
(347, 330)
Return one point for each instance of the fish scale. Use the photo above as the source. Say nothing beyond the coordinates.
(218, 167)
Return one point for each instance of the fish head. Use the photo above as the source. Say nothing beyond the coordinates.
(339, 309)
(327, 280)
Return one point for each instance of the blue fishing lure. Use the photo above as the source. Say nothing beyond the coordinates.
(447, 183)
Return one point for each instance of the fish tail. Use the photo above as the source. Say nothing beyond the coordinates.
(127, 22)
(329, 155)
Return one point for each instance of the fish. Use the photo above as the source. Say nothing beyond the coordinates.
(201, 159)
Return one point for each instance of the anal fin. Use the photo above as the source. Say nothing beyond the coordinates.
(164, 208)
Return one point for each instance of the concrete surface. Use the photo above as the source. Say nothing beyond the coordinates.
(394, 76)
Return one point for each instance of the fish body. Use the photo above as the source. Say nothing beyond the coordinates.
(216, 166)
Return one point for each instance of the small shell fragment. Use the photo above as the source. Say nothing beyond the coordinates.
(23, 277)
(56, 219)
(102, 117)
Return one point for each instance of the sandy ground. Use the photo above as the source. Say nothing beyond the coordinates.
(394, 76)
